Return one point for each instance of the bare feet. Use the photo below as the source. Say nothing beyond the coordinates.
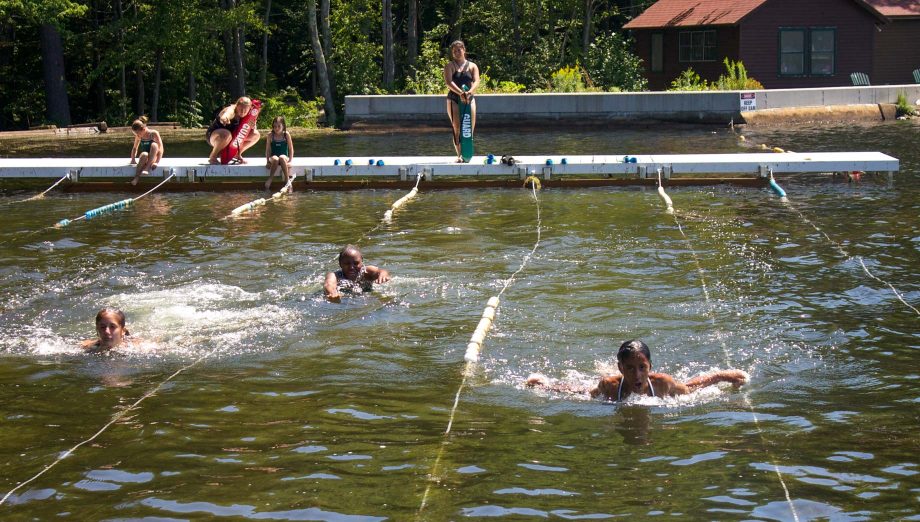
(134, 182)
(213, 161)
(153, 166)
(268, 184)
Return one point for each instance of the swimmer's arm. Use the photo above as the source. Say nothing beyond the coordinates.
(380, 275)
(538, 380)
(89, 344)
(735, 377)
(290, 143)
(268, 148)
(607, 388)
(137, 142)
(331, 287)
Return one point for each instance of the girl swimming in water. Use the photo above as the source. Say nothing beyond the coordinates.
(634, 360)
(111, 331)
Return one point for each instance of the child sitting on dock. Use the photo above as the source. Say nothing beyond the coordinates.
(354, 276)
(149, 144)
(634, 361)
(111, 331)
(279, 151)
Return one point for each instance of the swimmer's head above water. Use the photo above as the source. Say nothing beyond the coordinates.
(634, 360)
(353, 271)
(351, 262)
(110, 329)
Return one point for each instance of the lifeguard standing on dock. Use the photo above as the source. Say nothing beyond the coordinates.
(462, 79)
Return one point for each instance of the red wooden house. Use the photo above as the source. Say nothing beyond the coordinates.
(782, 43)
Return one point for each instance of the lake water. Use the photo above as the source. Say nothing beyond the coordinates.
(287, 407)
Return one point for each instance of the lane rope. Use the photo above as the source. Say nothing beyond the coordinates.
(473, 351)
(115, 418)
(848, 256)
(710, 311)
(388, 215)
(112, 207)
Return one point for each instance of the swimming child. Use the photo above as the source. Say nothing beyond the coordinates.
(354, 276)
(149, 144)
(110, 327)
(634, 361)
(279, 150)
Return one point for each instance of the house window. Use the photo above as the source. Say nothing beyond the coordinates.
(657, 52)
(807, 51)
(822, 52)
(697, 46)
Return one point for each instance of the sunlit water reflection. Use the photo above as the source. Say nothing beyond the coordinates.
(293, 408)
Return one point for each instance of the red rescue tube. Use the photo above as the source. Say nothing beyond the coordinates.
(243, 130)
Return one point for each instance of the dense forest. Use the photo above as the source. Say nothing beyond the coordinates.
(67, 61)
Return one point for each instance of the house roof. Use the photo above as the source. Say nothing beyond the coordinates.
(896, 7)
(687, 13)
(677, 13)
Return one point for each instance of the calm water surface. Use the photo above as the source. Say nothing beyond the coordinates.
(287, 407)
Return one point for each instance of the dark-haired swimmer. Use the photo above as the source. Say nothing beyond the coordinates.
(110, 327)
(354, 275)
(634, 361)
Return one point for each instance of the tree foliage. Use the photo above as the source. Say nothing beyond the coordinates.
(183, 59)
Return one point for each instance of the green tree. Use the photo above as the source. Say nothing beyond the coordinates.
(48, 17)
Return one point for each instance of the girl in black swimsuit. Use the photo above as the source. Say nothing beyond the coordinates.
(220, 132)
(458, 73)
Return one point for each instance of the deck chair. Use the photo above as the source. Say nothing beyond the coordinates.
(916, 75)
(859, 79)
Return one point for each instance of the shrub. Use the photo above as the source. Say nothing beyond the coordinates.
(488, 85)
(427, 77)
(904, 107)
(689, 81)
(188, 114)
(288, 103)
(612, 66)
(735, 78)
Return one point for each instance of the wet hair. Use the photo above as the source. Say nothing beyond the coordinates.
(347, 249)
(119, 316)
(457, 43)
(139, 124)
(283, 124)
(631, 348)
(244, 100)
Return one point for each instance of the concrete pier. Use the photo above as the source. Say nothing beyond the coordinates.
(593, 108)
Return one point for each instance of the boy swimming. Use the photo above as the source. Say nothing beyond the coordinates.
(634, 361)
(354, 276)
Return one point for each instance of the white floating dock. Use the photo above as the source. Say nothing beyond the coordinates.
(643, 166)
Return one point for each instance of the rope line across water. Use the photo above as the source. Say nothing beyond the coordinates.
(473, 350)
(710, 311)
(115, 418)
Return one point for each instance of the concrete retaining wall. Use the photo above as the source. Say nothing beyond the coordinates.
(580, 108)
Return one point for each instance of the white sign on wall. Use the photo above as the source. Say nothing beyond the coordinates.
(748, 101)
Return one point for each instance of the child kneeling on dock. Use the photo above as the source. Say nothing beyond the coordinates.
(354, 276)
(634, 361)
(150, 146)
